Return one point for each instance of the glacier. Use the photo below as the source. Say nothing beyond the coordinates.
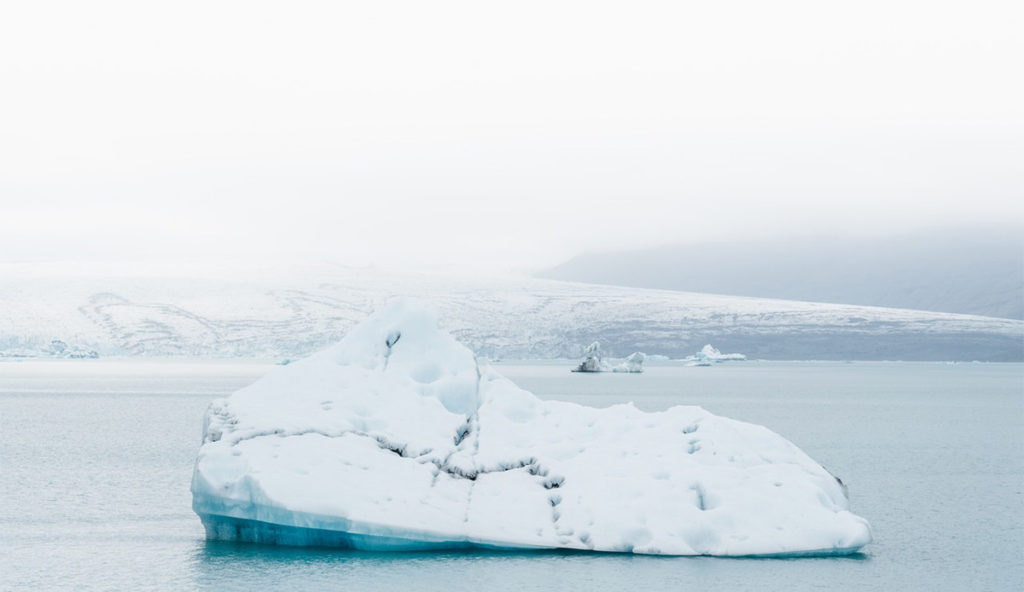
(398, 437)
(290, 310)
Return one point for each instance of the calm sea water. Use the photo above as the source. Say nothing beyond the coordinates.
(96, 457)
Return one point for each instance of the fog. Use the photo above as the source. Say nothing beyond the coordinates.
(506, 136)
(960, 269)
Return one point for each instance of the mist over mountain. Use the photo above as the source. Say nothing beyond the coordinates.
(963, 270)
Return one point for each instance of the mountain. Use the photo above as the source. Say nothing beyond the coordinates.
(292, 312)
(968, 270)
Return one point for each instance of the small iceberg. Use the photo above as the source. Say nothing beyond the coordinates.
(399, 438)
(708, 356)
(634, 363)
(592, 362)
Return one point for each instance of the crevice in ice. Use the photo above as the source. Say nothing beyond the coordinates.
(475, 472)
(554, 499)
(474, 421)
(385, 444)
(454, 470)
(390, 342)
(531, 464)
(463, 431)
(846, 490)
(701, 500)
(382, 442)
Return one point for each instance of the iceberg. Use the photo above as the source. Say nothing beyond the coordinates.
(399, 438)
(634, 363)
(709, 355)
(592, 362)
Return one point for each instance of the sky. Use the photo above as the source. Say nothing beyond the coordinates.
(512, 135)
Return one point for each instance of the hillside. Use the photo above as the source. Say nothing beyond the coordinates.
(266, 315)
(967, 271)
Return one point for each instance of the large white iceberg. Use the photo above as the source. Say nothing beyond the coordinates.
(399, 438)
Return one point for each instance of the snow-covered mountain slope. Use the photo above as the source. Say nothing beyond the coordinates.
(292, 313)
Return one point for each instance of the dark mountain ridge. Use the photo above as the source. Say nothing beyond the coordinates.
(965, 270)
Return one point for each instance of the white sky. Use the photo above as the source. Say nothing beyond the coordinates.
(518, 133)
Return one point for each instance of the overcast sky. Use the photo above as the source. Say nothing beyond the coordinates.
(518, 133)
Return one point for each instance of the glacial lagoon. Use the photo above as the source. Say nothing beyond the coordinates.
(96, 458)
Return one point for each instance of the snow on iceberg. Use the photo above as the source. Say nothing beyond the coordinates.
(398, 438)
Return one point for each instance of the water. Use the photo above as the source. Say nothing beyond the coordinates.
(95, 461)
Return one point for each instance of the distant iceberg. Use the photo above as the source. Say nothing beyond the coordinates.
(709, 355)
(399, 438)
(634, 363)
(592, 362)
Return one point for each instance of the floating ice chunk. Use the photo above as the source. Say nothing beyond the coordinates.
(712, 353)
(397, 438)
(634, 363)
(709, 355)
(592, 360)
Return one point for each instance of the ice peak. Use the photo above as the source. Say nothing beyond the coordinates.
(403, 340)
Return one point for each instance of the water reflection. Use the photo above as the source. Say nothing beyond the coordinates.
(234, 566)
